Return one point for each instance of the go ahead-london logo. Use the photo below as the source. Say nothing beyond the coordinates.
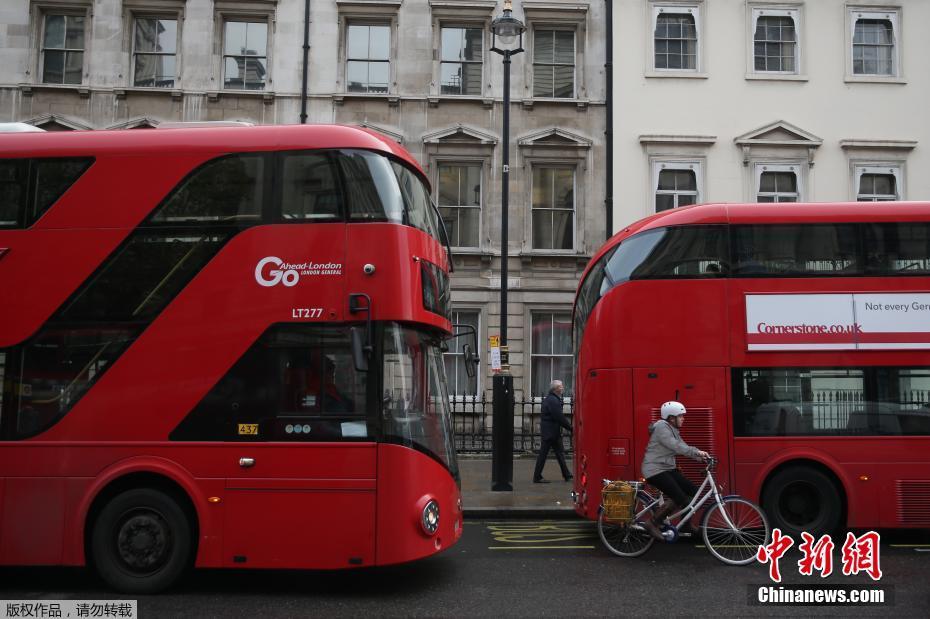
(271, 271)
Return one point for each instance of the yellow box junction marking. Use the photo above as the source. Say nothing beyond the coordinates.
(541, 535)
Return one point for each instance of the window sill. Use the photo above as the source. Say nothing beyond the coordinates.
(581, 104)
(777, 77)
(527, 256)
(267, 96)
(873, 79)
(81, 89)
(692, 75)
(468, 251)
(392, 99)
(435, 100)
(174, 93)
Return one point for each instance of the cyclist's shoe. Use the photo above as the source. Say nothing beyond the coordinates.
(653, 530)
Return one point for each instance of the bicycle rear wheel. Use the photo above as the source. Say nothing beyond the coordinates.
(737, 544)
(625, 540)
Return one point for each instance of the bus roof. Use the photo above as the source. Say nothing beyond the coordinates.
(200, 139)
(771, 213)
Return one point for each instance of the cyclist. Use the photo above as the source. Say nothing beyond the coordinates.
(659, 465)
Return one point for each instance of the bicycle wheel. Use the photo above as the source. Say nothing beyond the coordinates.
(737, 544)
(625, 540)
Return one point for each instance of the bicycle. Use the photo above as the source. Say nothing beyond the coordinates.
(733, 527)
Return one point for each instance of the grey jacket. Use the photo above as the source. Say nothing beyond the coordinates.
(664, 444)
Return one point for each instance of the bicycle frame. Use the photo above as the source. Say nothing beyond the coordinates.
(697, 501)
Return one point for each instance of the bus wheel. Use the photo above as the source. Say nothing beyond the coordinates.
(141, 541)
(801, 498)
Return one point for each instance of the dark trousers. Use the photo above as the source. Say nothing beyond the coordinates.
(555, 444)
(675, 486)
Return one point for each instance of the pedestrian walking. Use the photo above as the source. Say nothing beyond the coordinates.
(551, 423)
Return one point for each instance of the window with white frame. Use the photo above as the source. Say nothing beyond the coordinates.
(459, 200)
(778, 183)
(461, 56)
(775, 40)
(676, 183)
(460, 383)
(877, 183)
(62, 50)
(245, 54)
(553, 207)
(874, 37)
(368, 57)
(676, 43)
(551, 351)
(154, 52)
(554, 63)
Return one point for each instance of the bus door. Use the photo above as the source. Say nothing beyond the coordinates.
(301, 469)
(703, 392)
(300, 506)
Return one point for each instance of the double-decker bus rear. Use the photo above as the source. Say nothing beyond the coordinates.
(797, 337)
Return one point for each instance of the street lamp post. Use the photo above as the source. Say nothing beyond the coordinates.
(506, 30)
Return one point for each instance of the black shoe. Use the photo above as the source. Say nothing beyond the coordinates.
(540, 481)
(569, 478)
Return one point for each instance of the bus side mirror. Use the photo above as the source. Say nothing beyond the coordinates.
(360, 348)
(471, 361)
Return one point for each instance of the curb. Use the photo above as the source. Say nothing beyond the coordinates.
(560, 513)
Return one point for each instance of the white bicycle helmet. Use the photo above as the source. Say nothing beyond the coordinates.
(673, 409)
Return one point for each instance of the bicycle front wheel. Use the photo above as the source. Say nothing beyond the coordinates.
(734, 531)
(625, 540)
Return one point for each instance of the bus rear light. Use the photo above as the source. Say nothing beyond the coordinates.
(429, 517)
(863, 478)
(584, 479)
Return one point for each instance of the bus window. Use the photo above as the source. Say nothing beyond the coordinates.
(420, 212)
(29, 187)
(873, 401)
(296, 382)
(416, 399)
(900, 248)
(380, 189)
(795, 250)
(371, 187)
(309, 190)
(228, 189)
(139, 281)
(13, 190)
(687, 252)
(54, 370)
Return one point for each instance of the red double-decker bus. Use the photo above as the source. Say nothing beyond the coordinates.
(798, 338)
(221, 348)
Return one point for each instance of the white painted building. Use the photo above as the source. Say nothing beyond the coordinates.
(746, 101)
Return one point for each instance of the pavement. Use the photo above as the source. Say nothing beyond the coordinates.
(526, 500)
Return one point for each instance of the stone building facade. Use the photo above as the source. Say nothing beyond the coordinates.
(419, 71)
(769, 101)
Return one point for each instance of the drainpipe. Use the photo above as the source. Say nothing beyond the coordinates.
(609, 132)
(303, 90)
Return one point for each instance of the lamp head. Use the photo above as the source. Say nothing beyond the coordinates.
(507, 27)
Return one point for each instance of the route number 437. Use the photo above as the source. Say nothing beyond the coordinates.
(306, 312)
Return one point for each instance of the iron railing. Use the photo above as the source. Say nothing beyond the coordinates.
(473, 420)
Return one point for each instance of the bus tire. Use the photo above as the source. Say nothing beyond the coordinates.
(141, 541)
(802, 498)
